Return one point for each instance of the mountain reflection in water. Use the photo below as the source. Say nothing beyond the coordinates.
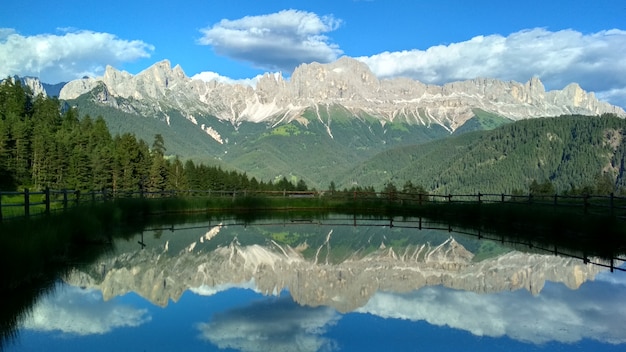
(323, 285)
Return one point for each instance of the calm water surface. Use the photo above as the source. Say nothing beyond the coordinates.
(327, 285)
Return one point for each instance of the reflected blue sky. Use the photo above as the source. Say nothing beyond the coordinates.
(432, 318)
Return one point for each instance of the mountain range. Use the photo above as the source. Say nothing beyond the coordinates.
(346, 83)
(318, 125)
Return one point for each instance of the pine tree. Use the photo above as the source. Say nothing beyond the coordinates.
(177, 178)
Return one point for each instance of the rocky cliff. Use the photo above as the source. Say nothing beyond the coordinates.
(346, 82)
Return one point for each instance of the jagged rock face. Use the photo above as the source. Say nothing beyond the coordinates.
(346, 82)
(160, 276)
(33, 83)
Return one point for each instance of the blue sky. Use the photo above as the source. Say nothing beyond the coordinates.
(432, 41)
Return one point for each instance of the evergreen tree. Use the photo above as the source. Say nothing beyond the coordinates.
(390, 190)
(157, 181)
(177, 178)
(6, 176)
(301, 185)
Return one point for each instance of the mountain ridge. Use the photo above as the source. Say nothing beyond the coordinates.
(346, 82)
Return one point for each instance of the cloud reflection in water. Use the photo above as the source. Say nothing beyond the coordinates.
(557, 314)
(73, 310)
(272, 325)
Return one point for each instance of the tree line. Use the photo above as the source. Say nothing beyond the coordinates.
(44, 143)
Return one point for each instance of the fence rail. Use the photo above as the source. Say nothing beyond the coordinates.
(27, 203)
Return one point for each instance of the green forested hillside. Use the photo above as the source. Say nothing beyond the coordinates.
(570, 152)
(481, 121)
(317, 148)
(41, 146)
(183, 138)
(310, 152)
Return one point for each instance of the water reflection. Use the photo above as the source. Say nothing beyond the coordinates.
(277, 325)
(77, 311)
(558, 314)
(313, 285)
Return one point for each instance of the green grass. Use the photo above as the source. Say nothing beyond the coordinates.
(286, 130)
(13, 205)
(398, 126)
(489, 120)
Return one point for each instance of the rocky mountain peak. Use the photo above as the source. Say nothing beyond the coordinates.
(344, 79)
(35, 85)
(535, 85)
(346, 82)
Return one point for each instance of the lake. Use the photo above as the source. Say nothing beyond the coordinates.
(332, 283)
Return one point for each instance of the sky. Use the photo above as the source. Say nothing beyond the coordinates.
(435, 42)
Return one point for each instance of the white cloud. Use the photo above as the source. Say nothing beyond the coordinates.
(278, 41)
(596, 61)
(557, 314)
(73, 310)
(271, 326)
(57, 58)
(208, 76)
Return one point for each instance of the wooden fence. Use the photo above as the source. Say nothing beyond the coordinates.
(613, 263)
(27, 203)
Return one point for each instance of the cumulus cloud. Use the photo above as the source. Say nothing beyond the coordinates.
(73, 54)
(271, 326)
(596, 61)
(208, 76)
(278, 41)
(77, 311)
(558, 314)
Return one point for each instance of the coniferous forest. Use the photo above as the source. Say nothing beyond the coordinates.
(567, 154)
(45, 144)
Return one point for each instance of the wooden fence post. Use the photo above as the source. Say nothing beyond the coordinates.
(77, 195)
(556, 197)
(47, 200)
(26, 202)
(479, 200)
(611, 203)
(586, 203)
(64, 199)
(0, 207)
